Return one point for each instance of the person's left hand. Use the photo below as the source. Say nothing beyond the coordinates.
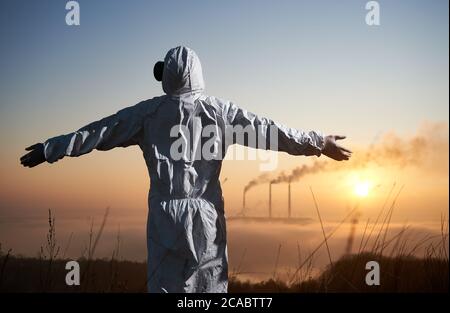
(34, 157)
(332, 150)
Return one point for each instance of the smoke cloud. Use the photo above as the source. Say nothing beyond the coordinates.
(391, 150)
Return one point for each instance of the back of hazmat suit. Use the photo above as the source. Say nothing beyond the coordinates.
(186, 233)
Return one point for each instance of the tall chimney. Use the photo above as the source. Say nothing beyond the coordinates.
(270, 200)
(289, 199)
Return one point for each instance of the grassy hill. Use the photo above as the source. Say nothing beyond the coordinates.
(398, 274)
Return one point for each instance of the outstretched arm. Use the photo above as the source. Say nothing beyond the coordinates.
(275, 136)
(118, 130)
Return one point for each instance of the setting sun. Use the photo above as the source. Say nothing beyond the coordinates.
(362, 189)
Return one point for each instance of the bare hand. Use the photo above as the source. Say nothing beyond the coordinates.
(34, 157)
(332, 150)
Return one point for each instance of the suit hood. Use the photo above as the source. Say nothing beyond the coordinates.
(182, 72)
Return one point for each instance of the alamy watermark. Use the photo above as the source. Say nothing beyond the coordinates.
(373, 14)
(73, 274)
(211, 142)
(73, 13)
(373, 276)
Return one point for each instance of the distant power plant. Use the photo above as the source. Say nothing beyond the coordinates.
(270, 215)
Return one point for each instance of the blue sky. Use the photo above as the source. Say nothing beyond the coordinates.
(309, 64)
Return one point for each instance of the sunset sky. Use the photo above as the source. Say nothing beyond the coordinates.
(307, 64)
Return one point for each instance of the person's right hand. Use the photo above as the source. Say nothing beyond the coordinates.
(34, 157)
(332, 150)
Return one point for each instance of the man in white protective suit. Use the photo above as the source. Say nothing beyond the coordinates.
(186, 234)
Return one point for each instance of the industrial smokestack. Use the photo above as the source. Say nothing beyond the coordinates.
(270, 200)
(289, 199)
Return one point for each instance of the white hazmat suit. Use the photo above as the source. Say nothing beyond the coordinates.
(186, 234)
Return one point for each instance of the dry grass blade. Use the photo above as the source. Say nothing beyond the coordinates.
(92, 247)
(310, 256)
(321, 225)
(390, 217)
(5, 261)
(444, 236)
(276, 263)
(378, 217)
(376, 243)
(69, 241)
(363, 235)
(100, 232)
